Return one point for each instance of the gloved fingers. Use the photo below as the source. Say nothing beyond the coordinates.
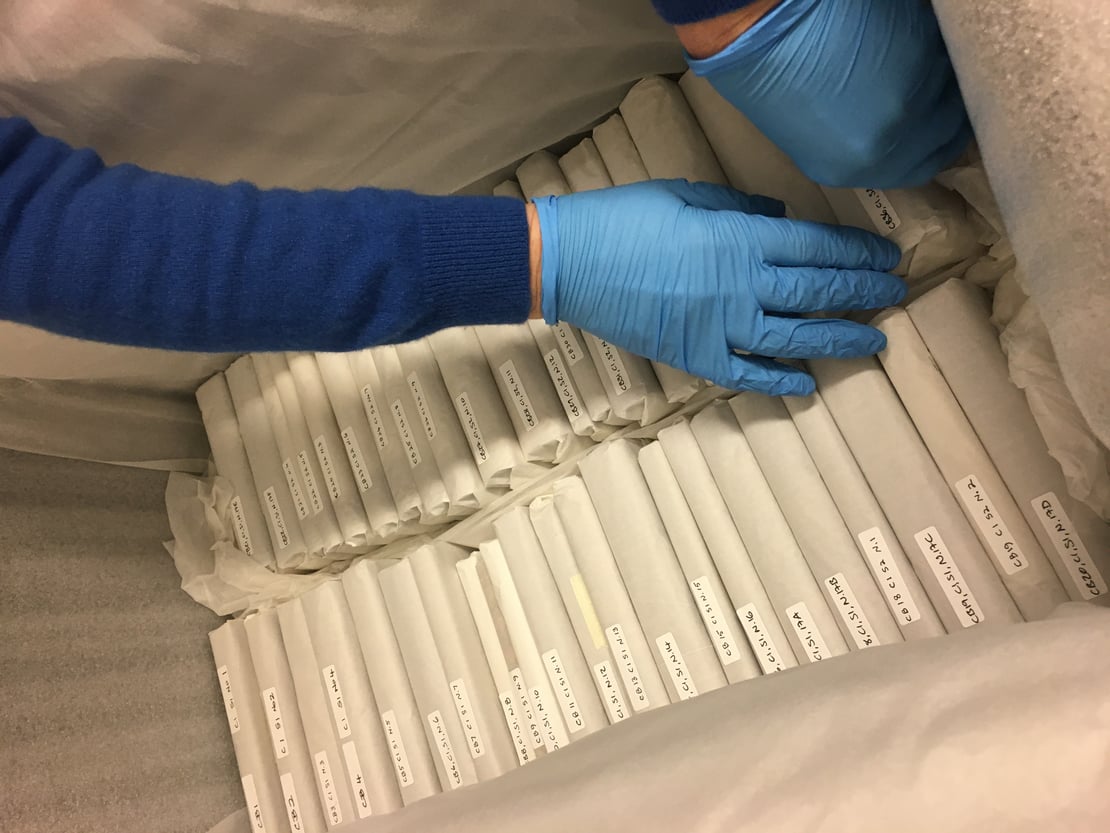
(815, 338)
(713, 197)
(765, 375)
(941, 158)
(798, 243)
(812, 289)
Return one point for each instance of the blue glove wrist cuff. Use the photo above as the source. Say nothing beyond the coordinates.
(770, 28)
(547, 214)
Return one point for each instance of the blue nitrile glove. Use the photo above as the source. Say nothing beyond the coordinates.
(686, 273)
(860, 93)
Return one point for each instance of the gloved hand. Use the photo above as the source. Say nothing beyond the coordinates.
(860, 93)
(686, 273)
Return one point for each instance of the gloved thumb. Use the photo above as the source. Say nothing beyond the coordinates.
(713, 197)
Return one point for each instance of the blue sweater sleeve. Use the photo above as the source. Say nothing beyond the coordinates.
(676, 12)
(125, 255)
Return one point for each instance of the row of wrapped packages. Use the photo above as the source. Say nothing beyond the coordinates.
(904, 500)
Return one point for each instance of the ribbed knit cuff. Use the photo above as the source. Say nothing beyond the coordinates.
(677, 12)
(475, 259)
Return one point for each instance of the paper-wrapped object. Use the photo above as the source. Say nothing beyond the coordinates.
(945, 553)
(586, 417)
(828, 546)
(617, 150)
(759, 622)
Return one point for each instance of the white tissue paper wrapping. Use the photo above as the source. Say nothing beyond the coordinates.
(632, 654)
(944, 550)
(247, 721)
(892, 570)
(1015, 552)
(395, 459)
(248, 524)
(478, 405)
(426, 673)
(954, 322)
(799, 603)
(710, 597)
(409, 753)
(510, 189)
(586, 416)
(826, 543)
(567, 672)
(296, 772)
(760, 624)
(436, 417)
(332, 781)
(617, 150)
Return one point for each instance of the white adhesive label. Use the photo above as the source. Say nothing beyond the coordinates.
(254, 808)
(295, 488)
(676, 666)
(568, 396)
(471, 428)
(370, 405)
(354, 454)
(239, 526)
(422, 409)
(812, 642)
(358, 781)
(397, 751)
(845, 603)
(626, 664)
(728, 651)
(610, 691)
(328, 792)
(323, 454)
(335, 697)
(310, 483)
(517, 393)
(531, 723)
(292, 804)
(614, 367)
(516, 730)
(550, 726)
(572, 350)
(229, 699)
(991, 526)
(276, 724)
(949, 577)
(880, 210)
(467, 718)
(276, 518)
(889, 576)
(443, 746)
(1069, 546)
(568, 703)
(400, 419)
(770, 660)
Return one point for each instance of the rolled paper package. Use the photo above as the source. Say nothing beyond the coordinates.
(248, 524)
(584, 421)
(395, 459)
(509, 189)
(967, 468)
(617, 150)
(632, 654)
(708, 592)
(409, 752)
(684, 654)
(471, 686)
(435, 415)
(570, 678)
(349, 500)
(941, 545)
(265, 461)
(828, 547)
(799, 603)
(296, 772)
(249, 736)
(758, 620)
(954, 321)
(891, 569)
(412, 441)
(333, 785)
(426, 672)
(478, 404)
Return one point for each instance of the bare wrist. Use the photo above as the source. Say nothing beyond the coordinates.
(708, 37)
(535, 261)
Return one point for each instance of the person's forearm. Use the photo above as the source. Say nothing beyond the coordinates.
(703, 38)
(125, 255)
